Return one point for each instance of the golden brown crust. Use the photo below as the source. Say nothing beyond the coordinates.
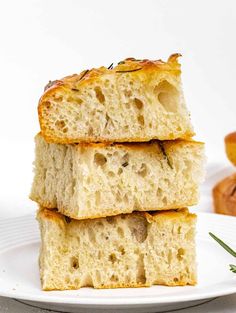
(137, 285)
(135, 145)
(63, 211)
(55, 139)
(53, 214)
(230, 147)
(224, 196)
(130, 64)
(76, 81)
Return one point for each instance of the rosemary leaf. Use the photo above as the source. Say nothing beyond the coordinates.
(125, 164)
(224, 245)
(110, 67)
(74, 89)
(232, 268)
(85, 73)
(128, 71)
(165, 155)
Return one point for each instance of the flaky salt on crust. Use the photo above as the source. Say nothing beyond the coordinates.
(138, 100)
(131, 250)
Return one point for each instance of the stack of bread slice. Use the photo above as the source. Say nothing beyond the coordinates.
(115, 171)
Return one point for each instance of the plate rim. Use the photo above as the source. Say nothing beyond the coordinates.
(80, 300)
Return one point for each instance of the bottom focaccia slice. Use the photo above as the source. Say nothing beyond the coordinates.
(127, 250)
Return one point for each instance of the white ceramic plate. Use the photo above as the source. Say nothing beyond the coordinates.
(19, 277)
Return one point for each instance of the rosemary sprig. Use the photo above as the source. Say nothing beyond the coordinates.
(128, 71)
(165, 154)
(232, 267)
(224, 245)
(110, 67)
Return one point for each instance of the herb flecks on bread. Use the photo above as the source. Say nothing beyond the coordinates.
(138, 100)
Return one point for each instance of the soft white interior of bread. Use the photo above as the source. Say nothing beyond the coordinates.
(86, 181)
(120, 107)
(121, 251)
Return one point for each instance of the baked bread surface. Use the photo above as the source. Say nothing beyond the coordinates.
(131, 250)
(138, 100)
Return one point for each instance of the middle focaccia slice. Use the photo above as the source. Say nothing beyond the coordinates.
(96, 180)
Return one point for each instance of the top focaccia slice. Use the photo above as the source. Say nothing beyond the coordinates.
(138, 100)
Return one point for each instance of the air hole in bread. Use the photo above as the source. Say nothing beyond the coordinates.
(167, 96)
(98, 276)
(112, 258)
(189, 235)
(169, 256)
(110, 219)
(126, 200)
(99, 159)
(90, 131)
(164, 201)
(97, 198)
(120, 232)
(127, 105)
(128, 93)
(88, 204)
(92, 237)
(111, 174)
(138, 103)
(65, 130)
(120, 171)
(114, 278)
(47, 105)
(125, 160)
(99, 95)
(159, 192)
(138, 228)
(121, 249)
(60, 124)
(118, 197)
(141, 120)
(58, 98)
(180, 254)
(78, 100)
(140, 277)
(143, 170)
(74, 263)
(176, 279)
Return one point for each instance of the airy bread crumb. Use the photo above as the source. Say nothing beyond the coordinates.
(132, 250)
(138, 100)
(96, 180)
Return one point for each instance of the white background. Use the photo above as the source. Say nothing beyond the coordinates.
(46, 40)
(43, 40)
